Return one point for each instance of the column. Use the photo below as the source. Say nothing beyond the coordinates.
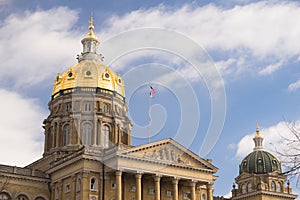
(209, 191)
(157, 187)
(73, 187)
(95, 131)
(61, 191)
(175, 188)
(119, 185)
(85, 185)
(138, 182)
(78, 131)
(192, 188)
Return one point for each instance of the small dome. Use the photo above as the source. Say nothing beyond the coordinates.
(260, 162)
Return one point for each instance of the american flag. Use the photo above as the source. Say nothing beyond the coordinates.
(152, 91)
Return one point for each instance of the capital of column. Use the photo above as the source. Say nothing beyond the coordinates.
(138, 176)
(192, 183)
(175, 180)
(118, 173)
(209, 186)
(157, 178)
(73, 177)
(85, 174)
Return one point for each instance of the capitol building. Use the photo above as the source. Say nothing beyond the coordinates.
(88, 152)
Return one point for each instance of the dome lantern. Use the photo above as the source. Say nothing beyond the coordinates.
(90, 44)
(258, 139)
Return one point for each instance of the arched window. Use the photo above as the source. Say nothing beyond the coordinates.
(244, 189)
(39, 198)
(203, 197)
(4, 196)
(22, 197)
(278, 187)
(105, 136)
(87, 134)
(273, 186)
(94, 184)
(66, 134)
(249, 187)
(56, 193)
(78, 185)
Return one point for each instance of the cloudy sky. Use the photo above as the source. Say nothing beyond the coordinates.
(219, 67)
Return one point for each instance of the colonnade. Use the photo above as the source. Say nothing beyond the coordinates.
(157, 185)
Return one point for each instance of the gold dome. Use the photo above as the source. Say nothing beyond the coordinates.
(89, 72)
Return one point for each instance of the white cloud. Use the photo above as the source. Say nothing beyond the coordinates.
(273, 139)
(241, 30)
(271, 68)
(21, 133)
(36, 45)
(294, 86)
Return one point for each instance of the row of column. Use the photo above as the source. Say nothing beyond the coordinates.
(138, 179)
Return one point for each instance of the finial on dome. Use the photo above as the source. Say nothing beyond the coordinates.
(258, 139)
(257, 134)
(91, 21)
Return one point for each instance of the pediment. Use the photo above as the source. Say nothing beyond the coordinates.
(169, 152)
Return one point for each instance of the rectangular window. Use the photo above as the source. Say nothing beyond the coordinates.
(69, 107)
(132, 188)
(151, 191)
(87, 106)
(186, 195)
(169, 193)
(113, 185)
(67, 188)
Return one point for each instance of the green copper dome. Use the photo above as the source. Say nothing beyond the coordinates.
(260, 162)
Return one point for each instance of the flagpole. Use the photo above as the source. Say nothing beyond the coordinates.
(149, 102)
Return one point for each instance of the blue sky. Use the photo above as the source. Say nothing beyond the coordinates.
(248, 54)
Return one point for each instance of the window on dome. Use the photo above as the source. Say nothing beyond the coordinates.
(106, 75)
(273, 186)
(106, 108)
(66, 134)
(87, 134)
(278, 187)
(260, 165)
(249, 187)
(275, 166)
(87, 106)
(88, 73)
(68, 107)
(244, 189)
(105, 136)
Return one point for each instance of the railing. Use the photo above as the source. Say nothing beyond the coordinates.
(88, 90)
